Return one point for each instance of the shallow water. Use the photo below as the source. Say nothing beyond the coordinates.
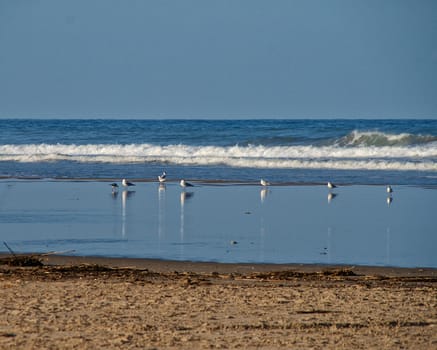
(223, 222)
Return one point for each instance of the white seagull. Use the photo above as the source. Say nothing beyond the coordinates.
(127, 183)
(183, 183)
(331, 185)
(389, 189)
(264, 182)
(162, 178)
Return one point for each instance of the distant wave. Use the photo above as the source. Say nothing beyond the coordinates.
(420, 157)
(381, 139)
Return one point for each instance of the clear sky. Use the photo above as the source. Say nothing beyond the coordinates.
(222, 58)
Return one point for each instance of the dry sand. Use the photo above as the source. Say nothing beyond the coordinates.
(97, 303)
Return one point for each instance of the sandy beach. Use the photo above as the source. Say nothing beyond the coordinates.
(76, 303)
(330, 299)
(232, 175)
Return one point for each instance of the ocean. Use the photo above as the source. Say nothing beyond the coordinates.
(402, 152)
(55, 192)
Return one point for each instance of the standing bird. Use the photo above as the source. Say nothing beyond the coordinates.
(331, 185)
(163, 177)
(389, 189)
(264, 182)
(127, 183)
(183, 183)
(114, 187)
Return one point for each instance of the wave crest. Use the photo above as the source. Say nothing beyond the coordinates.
(420, 158)
(381, 139)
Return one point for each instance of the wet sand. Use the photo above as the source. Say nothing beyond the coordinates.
(76, 302)
(280, 224)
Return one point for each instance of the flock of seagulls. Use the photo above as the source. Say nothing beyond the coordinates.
(124, 183)
(389, 190)
(332, 195)
(163, 178)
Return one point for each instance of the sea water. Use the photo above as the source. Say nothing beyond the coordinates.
(357, 224)
(295, 151)
(56, 195)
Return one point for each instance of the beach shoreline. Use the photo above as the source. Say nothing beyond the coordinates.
(92, 302)
(159, 265)
(205, 182)
(167, 265)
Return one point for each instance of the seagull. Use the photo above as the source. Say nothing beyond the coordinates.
(127, 183)
(331, 185)
(264, 182)
(389, 189)
(114, 189)
(162, 178)
(183, 183)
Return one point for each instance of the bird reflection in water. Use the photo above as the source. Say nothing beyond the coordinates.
(184, 197)
(331, 196)
(125, 195)
(389, 200)
(161, 209)
(264, 193)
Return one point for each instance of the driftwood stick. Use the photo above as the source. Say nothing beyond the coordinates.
(9, 248)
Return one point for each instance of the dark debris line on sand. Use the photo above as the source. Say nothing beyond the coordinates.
(48, 266)
(20, 260)
(35, 259)
(33, 267)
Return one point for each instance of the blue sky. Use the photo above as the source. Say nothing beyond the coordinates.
(213, 59)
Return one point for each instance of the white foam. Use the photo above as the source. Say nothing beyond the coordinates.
(380, 139)
(420, 158)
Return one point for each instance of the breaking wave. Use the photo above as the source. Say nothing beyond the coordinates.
(381, 139)
(419, 158)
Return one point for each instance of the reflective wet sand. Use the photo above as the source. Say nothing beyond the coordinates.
(223, 222)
